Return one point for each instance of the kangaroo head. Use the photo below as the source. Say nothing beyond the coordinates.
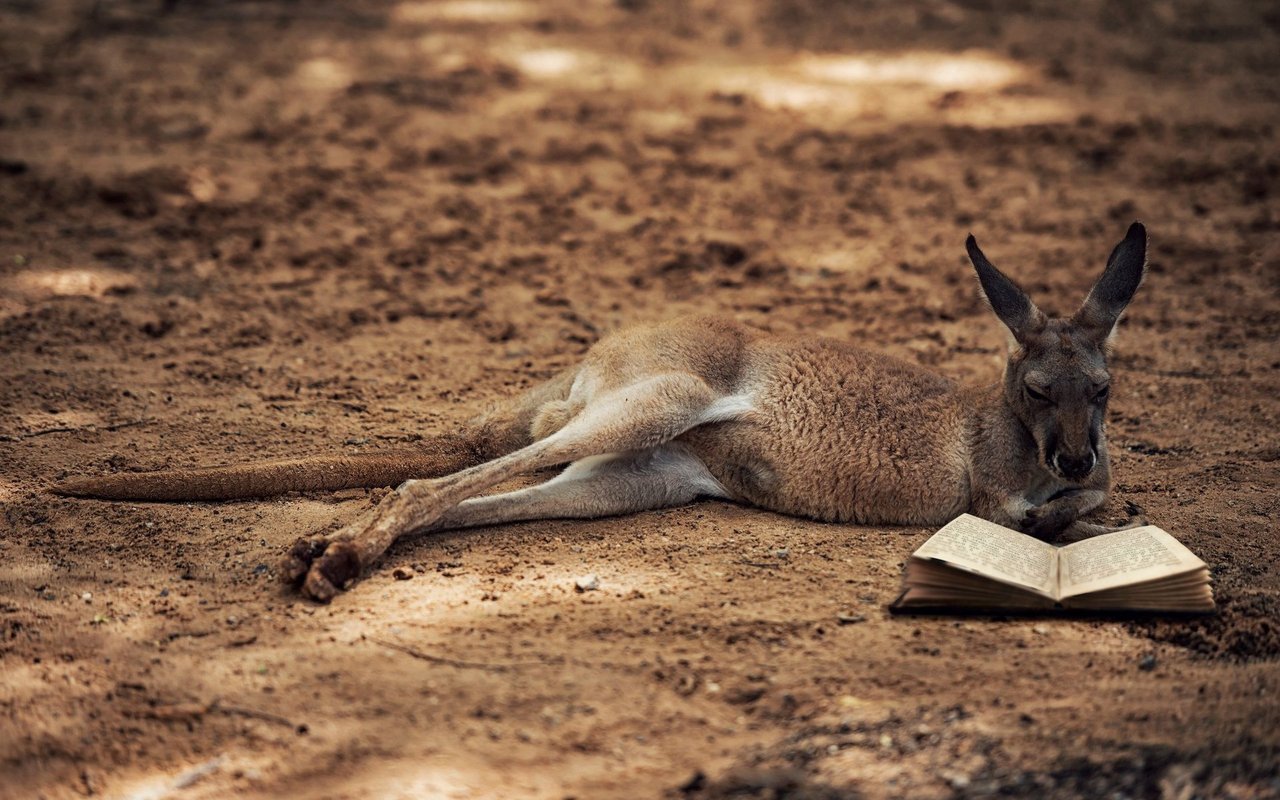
(1056, 381)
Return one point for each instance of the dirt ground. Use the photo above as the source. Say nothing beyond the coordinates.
(237, 230)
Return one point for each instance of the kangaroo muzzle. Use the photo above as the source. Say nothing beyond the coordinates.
(1075, 467)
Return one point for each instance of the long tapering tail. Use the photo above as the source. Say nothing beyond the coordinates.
(435, 457)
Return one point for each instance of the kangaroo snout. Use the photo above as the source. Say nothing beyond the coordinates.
(1075, 468)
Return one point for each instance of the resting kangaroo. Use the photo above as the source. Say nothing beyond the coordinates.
(657, 416)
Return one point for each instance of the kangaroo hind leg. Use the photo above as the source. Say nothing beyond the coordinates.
(599, 486)
(639, 416)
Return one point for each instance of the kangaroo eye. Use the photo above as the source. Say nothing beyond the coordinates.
(1102, 394)
(1039, 396)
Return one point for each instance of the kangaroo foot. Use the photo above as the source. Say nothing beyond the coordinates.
(294, 565)
(323, 567)
(320, 567)
(332, 571)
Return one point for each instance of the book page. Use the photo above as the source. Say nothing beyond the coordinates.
(1123, 558)
(923, 598)
(943, 584)
(1189, 592)
(986, 548)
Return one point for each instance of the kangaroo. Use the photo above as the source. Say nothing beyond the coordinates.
(657, 416)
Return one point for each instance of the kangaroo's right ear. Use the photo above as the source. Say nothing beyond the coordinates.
(1006, 298)
(1110, 296)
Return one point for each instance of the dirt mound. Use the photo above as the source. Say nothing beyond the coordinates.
(1246, 628)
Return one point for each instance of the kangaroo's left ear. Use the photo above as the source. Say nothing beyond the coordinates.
(1113, 291)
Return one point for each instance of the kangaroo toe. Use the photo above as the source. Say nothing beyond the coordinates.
(332, 572)
(296, 562)
(1137, 515)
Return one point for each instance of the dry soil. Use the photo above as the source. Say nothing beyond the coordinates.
(237, 230)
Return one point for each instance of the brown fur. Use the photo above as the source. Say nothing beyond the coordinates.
(657, 415)
(438, 456)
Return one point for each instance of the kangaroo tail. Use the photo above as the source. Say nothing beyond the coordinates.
(436, 457)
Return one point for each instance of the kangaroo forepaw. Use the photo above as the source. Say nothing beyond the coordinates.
(294, 565)
(332, 572)
(1137, 515)
(1045, 522)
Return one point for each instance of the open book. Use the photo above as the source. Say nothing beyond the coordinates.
(971, 564)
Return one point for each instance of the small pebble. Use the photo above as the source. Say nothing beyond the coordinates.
(87, 597)
(850, 619)
(587, 583)
(1041, 629)
(402, 574)
(1147, 662)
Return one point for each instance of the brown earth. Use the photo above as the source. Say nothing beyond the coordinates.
(241, 230)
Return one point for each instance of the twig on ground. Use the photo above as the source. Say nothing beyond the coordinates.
(198, 773)
(253, 713)
(17, 437)
(187, 711)
(453, 662)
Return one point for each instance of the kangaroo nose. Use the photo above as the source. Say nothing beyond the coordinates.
(1076, 468)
